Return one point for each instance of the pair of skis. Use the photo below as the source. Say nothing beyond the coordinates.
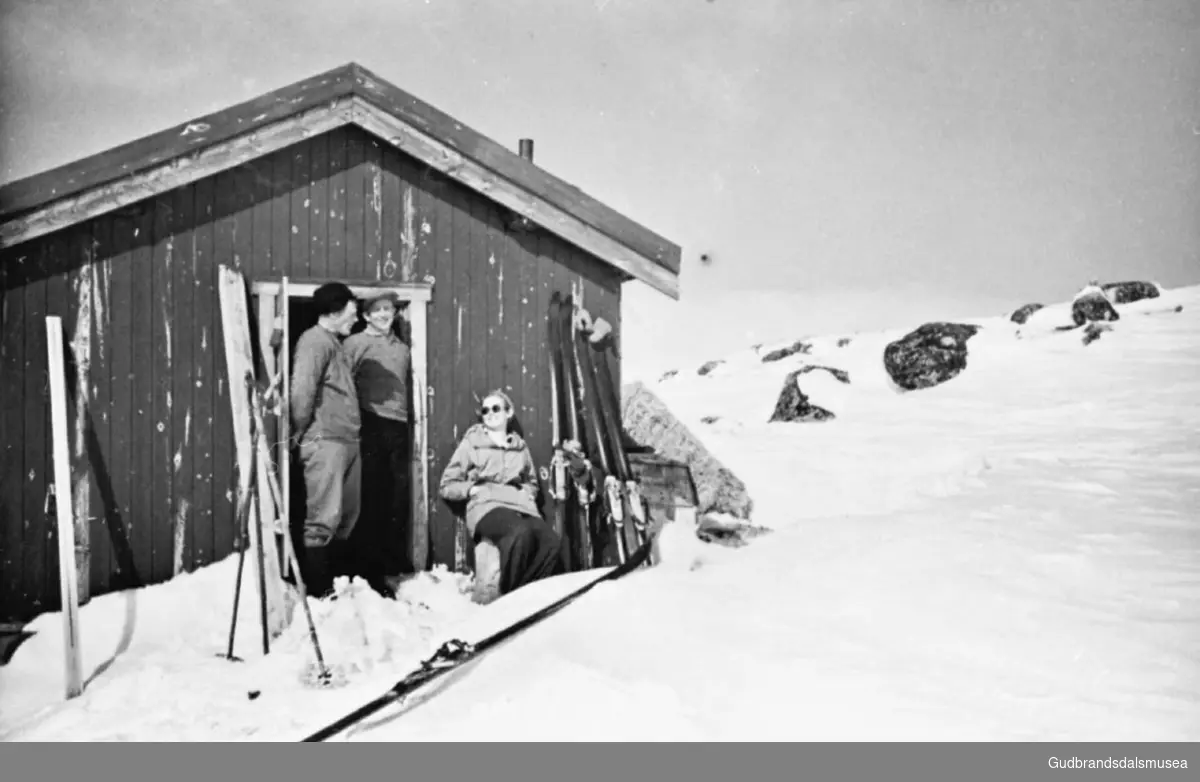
(457, 653)
(571, 483)
(586, 425)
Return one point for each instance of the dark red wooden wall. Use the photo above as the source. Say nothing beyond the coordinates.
(157, 458)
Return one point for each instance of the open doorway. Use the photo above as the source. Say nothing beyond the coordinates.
(298, 315)
(302, 316)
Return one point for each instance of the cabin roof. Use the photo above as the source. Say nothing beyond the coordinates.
(347, 95)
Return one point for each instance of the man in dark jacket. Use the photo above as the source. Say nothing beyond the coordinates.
(326, 423)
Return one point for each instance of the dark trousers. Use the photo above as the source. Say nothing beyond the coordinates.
(380, 542)
(530, 549)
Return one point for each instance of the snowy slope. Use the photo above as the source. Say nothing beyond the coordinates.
(1012, 555)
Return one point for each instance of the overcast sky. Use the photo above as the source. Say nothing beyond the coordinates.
(853, 162)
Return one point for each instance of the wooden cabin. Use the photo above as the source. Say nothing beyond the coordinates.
(339, 177)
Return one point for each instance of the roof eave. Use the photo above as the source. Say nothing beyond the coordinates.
(347, 95)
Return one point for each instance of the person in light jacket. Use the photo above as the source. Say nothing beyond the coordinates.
(493, 472)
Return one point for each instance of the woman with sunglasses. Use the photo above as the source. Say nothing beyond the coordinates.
(493, 472)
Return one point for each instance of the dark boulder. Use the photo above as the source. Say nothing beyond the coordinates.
(1126, 292)
(709, 367)
(670, 373)
(1021, 314)
(1092, 307)
(800, 346)
(793, 404)
(843, 342)
(928, 356)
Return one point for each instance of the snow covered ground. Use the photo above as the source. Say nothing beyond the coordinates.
(1012, 555)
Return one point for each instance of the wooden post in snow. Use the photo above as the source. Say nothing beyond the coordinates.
(68, 576)
(285, 412)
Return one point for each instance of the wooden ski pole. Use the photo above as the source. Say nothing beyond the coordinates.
(293, 562)
(256, 509)
(243, 521)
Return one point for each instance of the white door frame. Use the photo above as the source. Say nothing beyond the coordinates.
(417, 297)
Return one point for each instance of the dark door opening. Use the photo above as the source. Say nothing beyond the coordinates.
(302, 315)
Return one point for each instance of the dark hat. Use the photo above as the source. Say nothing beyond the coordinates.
(332, 297)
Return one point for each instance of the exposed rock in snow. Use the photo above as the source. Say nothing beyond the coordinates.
(727, 531)
(928, 356)
(799, 346)
(648, 421)
(1021, 314)
(1127, 292)
(1092, 304)
(793, 404)
(709, 367)
(1093, 330)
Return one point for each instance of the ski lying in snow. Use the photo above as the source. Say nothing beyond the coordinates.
(456, 653)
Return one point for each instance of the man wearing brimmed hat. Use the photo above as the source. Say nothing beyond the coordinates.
(326, 421)
(380, 361)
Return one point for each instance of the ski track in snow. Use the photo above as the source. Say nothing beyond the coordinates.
(1013, 555)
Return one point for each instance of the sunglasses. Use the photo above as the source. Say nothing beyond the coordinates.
(493, 409)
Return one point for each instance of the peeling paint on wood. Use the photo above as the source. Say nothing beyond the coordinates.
(408, 238)
(499, 290)
(100, 297)
(180, 538)
(81, 346)
(167, 330)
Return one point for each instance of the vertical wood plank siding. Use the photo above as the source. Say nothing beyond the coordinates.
(157, 472)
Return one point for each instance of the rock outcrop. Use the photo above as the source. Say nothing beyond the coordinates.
(1021, 314)
(794, 405)
(1131, 291)
(1093, 330)
(649, 422)
(1092, 304)
(928, 356)
(799, 346)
